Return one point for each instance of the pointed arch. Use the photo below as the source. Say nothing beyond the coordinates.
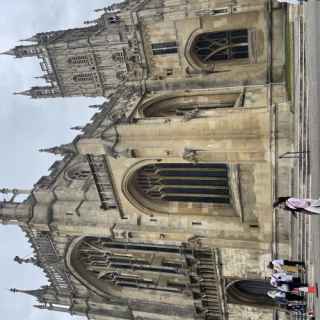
(207, 48)
(252, 292)
(182, 188)
(182, 103)
(184, 277)
(210, 47)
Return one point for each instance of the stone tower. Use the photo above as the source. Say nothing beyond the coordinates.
(88, 61)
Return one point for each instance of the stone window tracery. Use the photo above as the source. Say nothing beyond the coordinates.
(119, 268)
(210, 47)
(134, 265)
(84, 77)
(184, 182)
(83, 59)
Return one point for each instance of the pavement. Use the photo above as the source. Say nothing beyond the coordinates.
(312, 49)
(305, 230)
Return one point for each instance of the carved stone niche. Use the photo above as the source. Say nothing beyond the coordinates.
(78, 172)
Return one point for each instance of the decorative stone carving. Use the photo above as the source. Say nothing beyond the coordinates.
(191, 155)
(64, 149)
(188, 115)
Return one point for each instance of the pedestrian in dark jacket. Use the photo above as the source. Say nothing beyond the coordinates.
(283, 265)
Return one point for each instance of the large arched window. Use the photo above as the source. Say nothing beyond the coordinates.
(184, 188)
(184, 103)
(210, 47)
(133, 265)
(184, 182)
(184, 276)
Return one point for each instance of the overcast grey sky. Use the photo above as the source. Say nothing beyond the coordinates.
(27, 125)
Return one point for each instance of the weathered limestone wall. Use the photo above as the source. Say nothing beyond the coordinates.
(245, 263)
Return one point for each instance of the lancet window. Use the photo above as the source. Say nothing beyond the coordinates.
(84, 77)
(211, 47)
(83, 59)
(184, 182)
(164, 48)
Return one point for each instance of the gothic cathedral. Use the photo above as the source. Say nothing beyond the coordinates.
(161, 209)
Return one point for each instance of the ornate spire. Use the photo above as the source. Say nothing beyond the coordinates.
(14, 212)
(48, 77)
(105, 9)
(91, 21)
(77, 128)
(38, 293)
(31, 260)
(31, 39)
(14, 192)
(10, 52)
(96, 106)
(53, 307)
(48, 91)
(40, 306)
(30, 50)
(61, 150)
(111, 8)
(24, 93)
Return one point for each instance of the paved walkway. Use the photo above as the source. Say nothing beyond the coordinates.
(306, 229)
(312, 25)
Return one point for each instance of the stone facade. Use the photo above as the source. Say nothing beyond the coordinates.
(162, 207)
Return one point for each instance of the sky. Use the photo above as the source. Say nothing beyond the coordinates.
(27, 125)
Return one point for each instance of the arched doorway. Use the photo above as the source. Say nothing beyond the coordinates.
(182, 103)
(250, 292)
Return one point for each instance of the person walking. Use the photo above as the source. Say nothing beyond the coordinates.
(299, 308)
(283, 297)
(297, 205)
(285, 282)
(283, 265)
